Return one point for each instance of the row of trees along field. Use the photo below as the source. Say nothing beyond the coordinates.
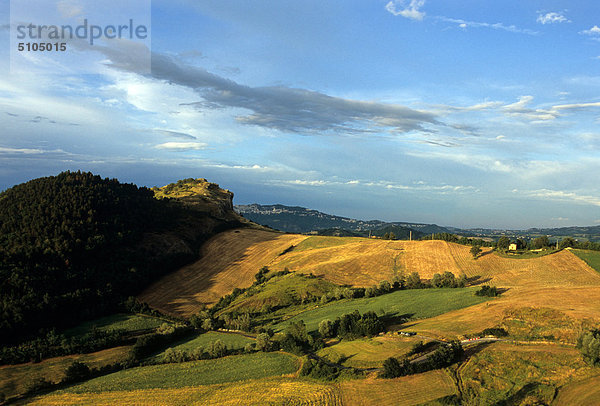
(544, 242)
(67, 249)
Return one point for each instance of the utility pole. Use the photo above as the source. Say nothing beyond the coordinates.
(410, 236)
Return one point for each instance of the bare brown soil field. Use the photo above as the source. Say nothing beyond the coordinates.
(229, 260)
(405, 391)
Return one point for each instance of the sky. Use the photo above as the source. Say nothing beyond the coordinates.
(460, 113)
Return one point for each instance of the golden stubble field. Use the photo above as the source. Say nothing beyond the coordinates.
(559, 281)
(229, 260)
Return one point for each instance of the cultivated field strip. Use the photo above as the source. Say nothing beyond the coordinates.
(274, 391)
(229, 260)
(405, 391)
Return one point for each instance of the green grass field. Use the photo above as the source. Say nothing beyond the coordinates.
(592, 258)
(413, 304)
(207, 372)
(128, 322)
(232, 341)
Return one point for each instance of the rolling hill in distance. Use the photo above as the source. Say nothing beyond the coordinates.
(295, 219)
(119, 292)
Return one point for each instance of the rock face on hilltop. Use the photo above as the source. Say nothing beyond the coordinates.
(202, 195)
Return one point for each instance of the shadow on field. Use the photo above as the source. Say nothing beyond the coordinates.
(477, 280)
(391, 319)
(530, 390)
(476, 348)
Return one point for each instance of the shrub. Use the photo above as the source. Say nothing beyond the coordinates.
(384, 287)
(487, 290)
(319, 370)
(495, 331)
(76, 372)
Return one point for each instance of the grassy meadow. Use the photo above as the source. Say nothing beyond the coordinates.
(15, 379)
(592, 258)
(411, 304)
(120, 321)
(206, 372)
(232, 341)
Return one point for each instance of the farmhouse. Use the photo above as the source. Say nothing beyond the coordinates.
(512, 247)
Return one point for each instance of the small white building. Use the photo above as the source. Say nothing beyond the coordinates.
(512, 247)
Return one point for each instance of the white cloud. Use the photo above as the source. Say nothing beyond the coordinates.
(551, 18)
(564, 196)
(182, 146)
(595, 30)
(411, 11)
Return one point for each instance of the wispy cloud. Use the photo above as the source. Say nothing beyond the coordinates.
(30, 151)
(182, 146)
(552, 18)
(563, 196)
(494, 26)
(175, 134)
(411, 11)
(380, 184)
(521, 109)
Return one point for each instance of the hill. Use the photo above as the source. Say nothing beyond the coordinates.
(73, 246)
(293, 219)
(232, 258)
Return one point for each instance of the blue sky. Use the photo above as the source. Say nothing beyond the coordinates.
(461, 113)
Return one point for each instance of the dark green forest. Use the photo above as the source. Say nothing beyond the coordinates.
(72, 248)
